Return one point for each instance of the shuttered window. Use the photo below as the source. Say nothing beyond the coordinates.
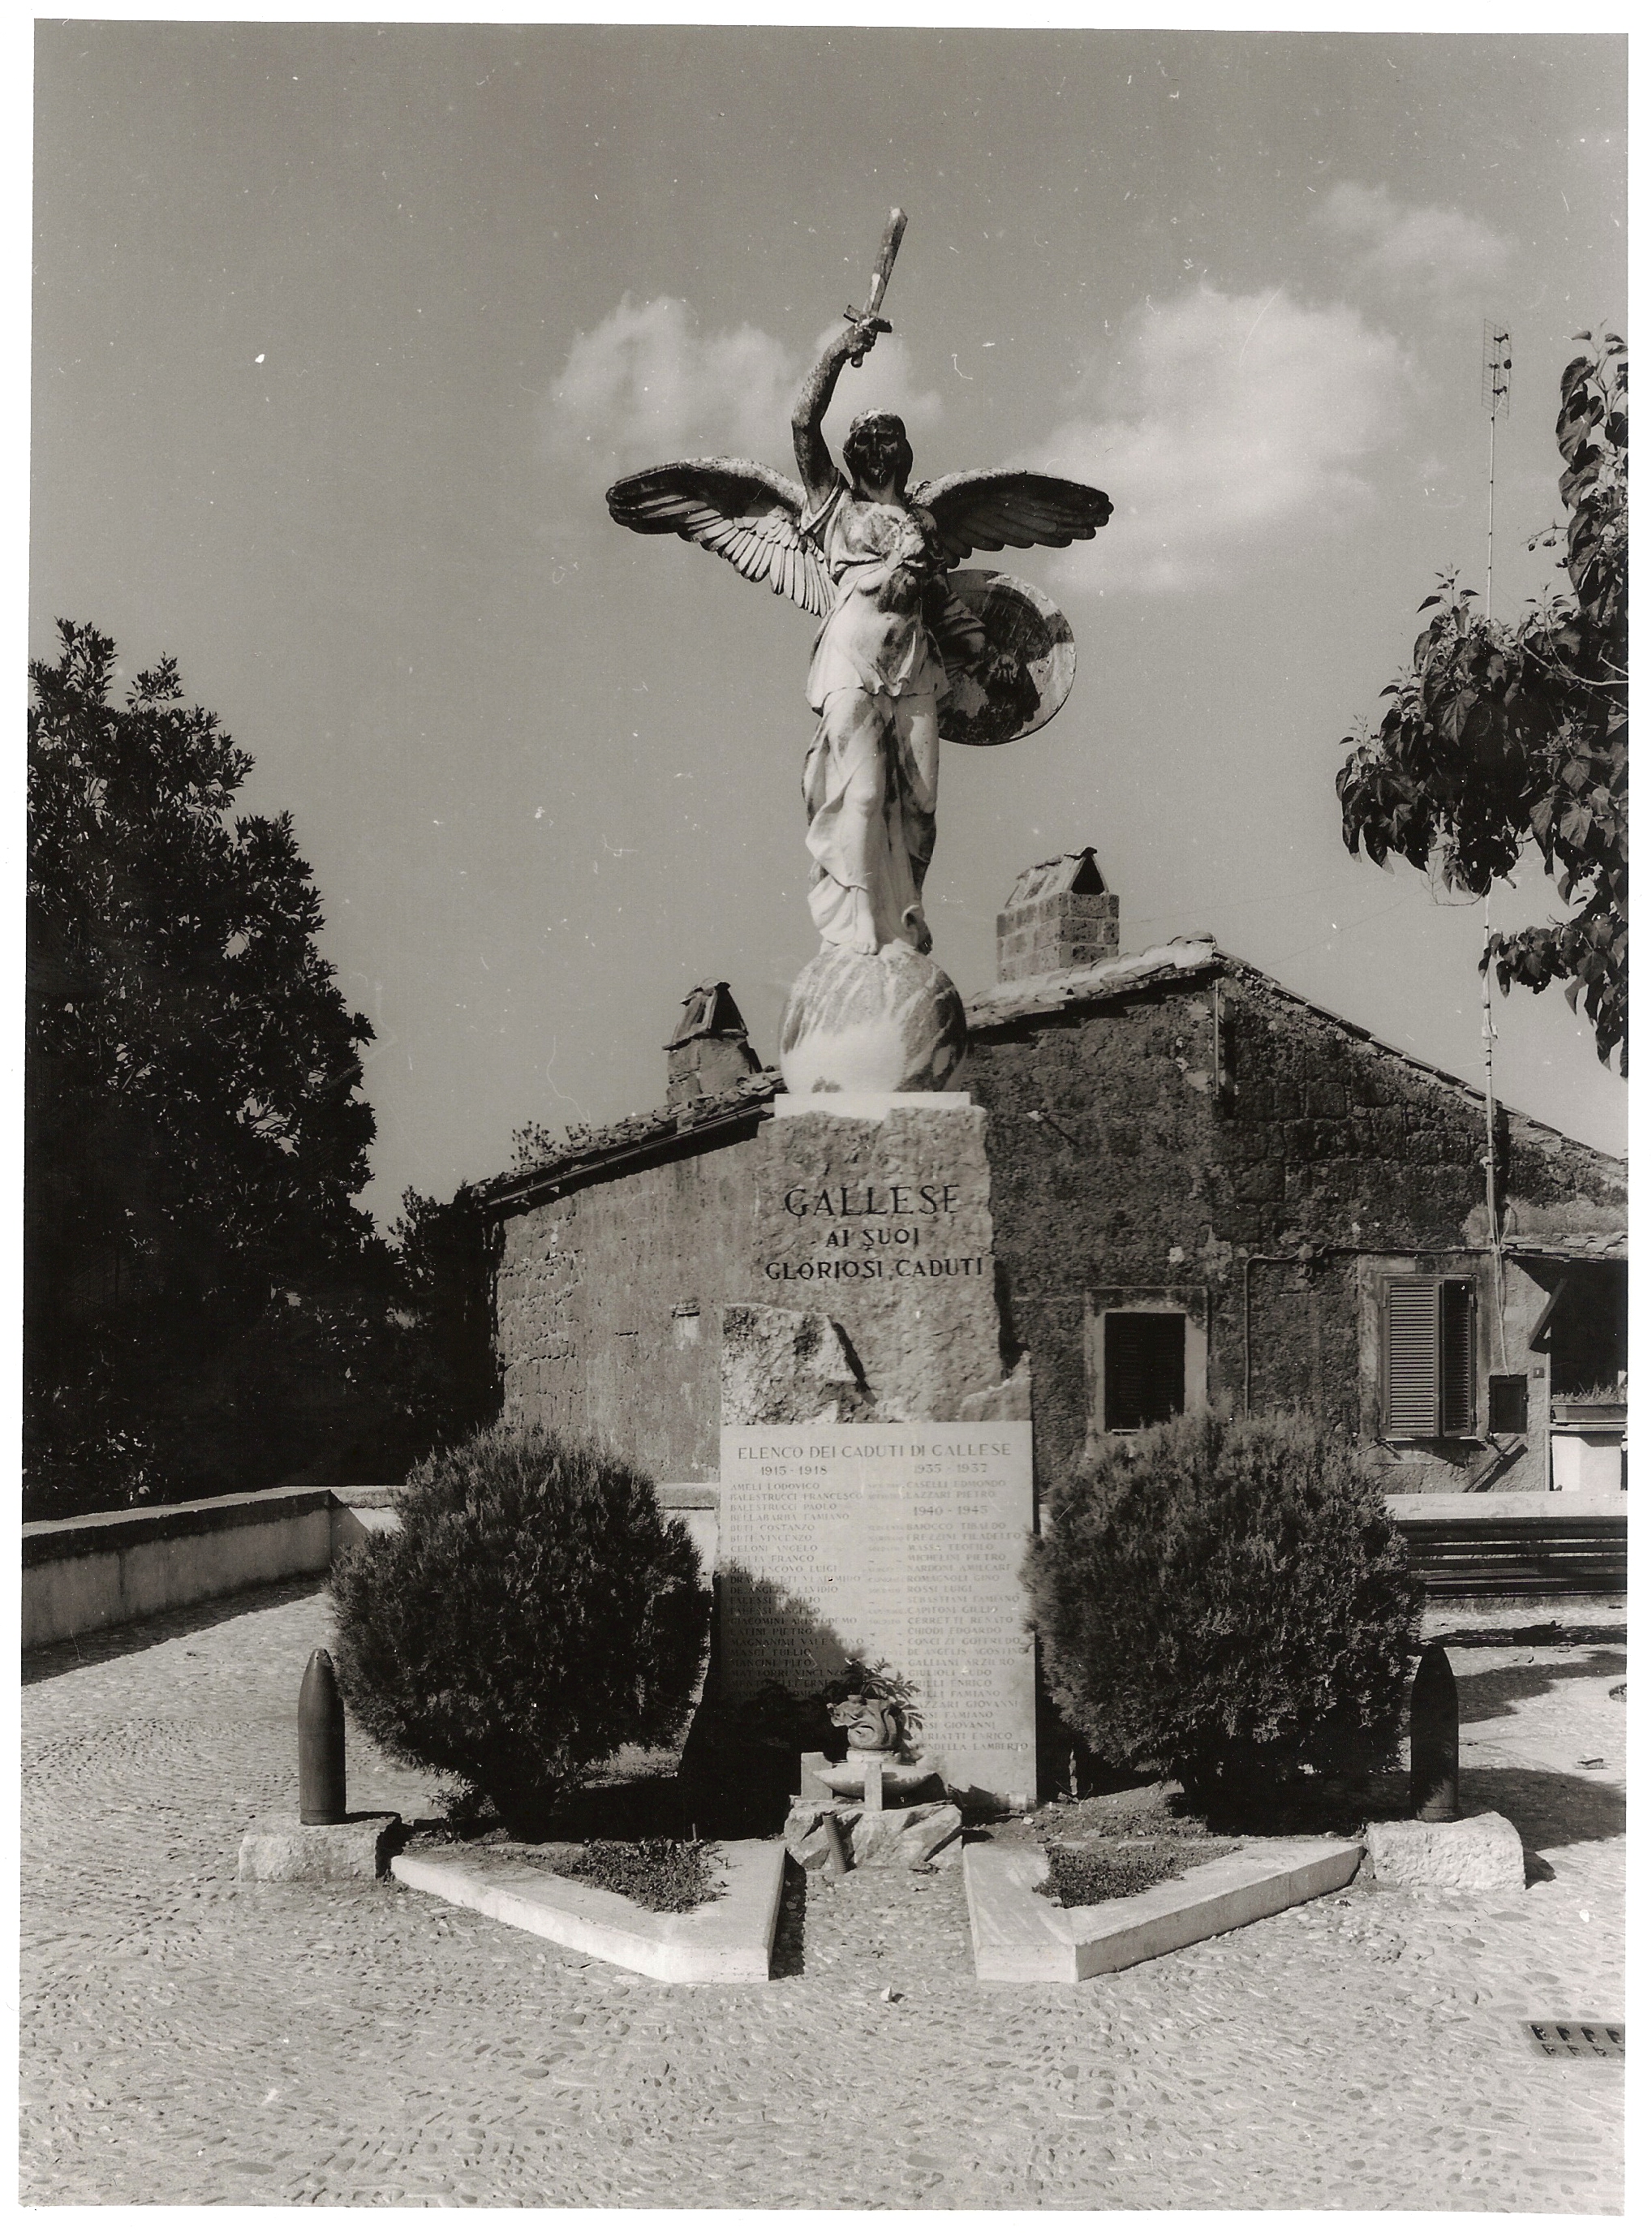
(1145, 1368)
(1430, 1372)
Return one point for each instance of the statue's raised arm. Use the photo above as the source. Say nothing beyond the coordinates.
(814, 398)
(850, 347)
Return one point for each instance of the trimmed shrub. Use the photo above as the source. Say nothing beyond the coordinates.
(1229, 1601)
(535, 1612)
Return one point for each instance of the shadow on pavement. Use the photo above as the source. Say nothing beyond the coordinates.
(1610, 1630)
(786, 1957)
(1547, 1808)
(1483, 1694)
(42, 1661)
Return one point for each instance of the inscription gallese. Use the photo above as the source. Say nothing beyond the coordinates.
(901, 1545)
(876, 1231)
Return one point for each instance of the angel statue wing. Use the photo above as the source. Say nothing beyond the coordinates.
(982, 511)
(747, 512)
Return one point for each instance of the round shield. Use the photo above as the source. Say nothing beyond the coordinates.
(991, 702)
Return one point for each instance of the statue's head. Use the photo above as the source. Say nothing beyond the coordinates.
(876, 450)
(874, 1725)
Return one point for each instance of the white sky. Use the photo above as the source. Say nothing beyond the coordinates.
(340, 332)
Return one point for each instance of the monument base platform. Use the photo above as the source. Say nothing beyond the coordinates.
(726, 1939)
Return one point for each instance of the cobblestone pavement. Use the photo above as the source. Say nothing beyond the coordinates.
(189, 2040)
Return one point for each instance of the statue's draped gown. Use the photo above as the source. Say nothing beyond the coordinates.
(877, 682)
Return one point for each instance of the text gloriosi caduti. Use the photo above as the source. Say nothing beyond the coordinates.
(880, 1220)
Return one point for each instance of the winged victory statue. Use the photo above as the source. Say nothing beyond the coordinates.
(913, 648)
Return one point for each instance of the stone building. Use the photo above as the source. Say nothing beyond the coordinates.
(1204, 1190)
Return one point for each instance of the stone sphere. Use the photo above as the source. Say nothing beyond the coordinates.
(889, 1023)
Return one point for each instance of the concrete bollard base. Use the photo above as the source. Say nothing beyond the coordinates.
(1479, 1855)
(282, 1848)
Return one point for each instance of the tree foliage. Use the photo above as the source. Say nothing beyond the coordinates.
(449, 1385)
(205, 1307)
(204, 1301)
(1503, 733)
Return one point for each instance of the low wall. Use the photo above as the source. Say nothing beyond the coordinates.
(96, 1570)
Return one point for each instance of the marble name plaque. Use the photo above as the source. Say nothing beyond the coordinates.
(896, 1543)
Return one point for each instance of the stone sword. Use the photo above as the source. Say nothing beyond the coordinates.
(888, 249)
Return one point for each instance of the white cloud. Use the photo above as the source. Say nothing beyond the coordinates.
(647, 386)
(1440, 252)
(1231, 421)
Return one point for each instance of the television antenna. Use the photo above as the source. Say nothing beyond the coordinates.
(1497, 364)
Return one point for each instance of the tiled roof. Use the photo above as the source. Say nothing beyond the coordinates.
(1602, 1249)
(1096, 981)
(587, 1148)
(591, 1148)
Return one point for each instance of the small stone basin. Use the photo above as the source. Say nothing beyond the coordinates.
(849, 1776)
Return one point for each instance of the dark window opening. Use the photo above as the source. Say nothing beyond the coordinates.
(1145, 1370)
(1588, 1331)
(1507, 1408)
(1430, 1374)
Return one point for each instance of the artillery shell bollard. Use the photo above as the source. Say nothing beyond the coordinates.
(325, 1843)
(1433, 1739)
(320, 1743)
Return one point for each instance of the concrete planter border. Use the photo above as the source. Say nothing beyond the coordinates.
(1018, 1936)
(726, 1940)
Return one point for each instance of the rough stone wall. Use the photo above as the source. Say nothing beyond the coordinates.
(1554, 1187)
(1332, 1134)
(1155, 1143)
(1332, 1137)
(1160, 1141)
(1305, 1338)
(608, 1306)
(1100, 1134)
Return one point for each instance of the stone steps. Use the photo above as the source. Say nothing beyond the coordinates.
(1521, 1557)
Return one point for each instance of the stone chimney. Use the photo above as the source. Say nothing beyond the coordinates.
(709, 1050)
(1061, 917)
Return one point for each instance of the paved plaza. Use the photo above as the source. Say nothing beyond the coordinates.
(190, 2040)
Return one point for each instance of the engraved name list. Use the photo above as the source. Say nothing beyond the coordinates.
(894, 1543)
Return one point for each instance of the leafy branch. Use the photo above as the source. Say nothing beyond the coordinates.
(1501, 734)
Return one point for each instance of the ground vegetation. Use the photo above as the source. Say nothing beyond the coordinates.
(659, 1875)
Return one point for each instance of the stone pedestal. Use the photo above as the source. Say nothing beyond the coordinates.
(876, 1457)
(874, 1217)
(1478, 1855)
(282, 1848)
